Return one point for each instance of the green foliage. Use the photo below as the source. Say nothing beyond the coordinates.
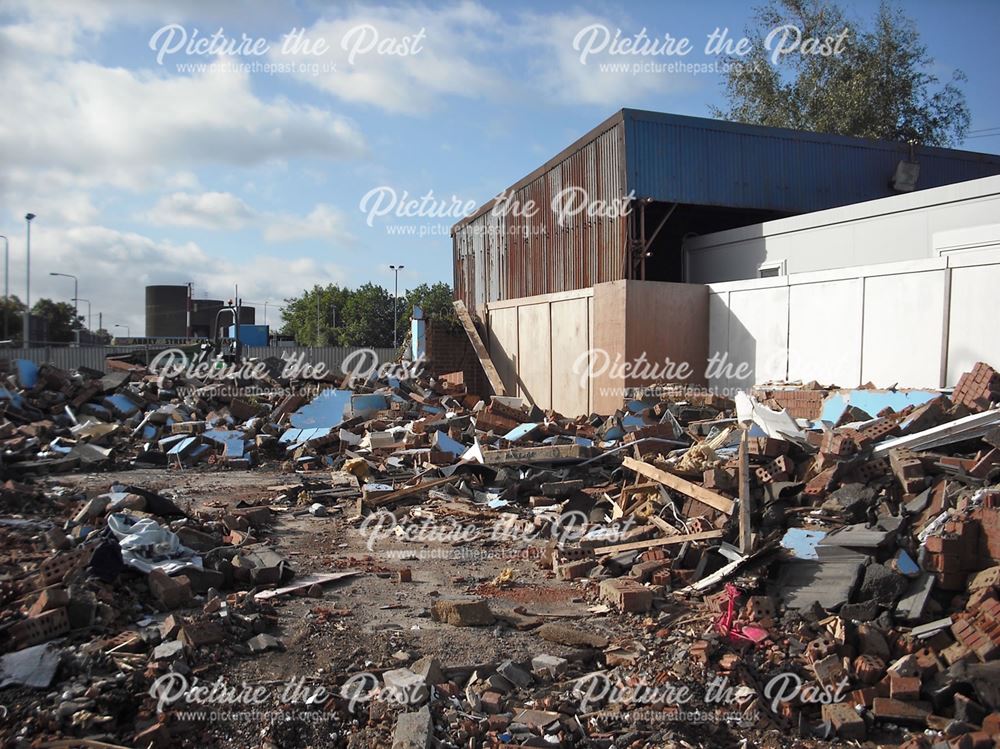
(878, 86)
(61, 318)
(436, 302)
(313, 317)
(11, 311)
(368, 318)
(362, 316)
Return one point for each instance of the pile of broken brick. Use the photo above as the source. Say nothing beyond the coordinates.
(111, 591)
(846, 538)
(853, 551)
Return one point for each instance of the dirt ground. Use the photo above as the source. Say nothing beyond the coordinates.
(367, 623)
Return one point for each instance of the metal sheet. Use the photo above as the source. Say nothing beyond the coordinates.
(672, 159)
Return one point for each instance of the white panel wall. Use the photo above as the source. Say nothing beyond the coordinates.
(903, 227)
(904, 328)
(534, 341)
(914, 324)
(758, 330)
(974, 330)
(824, 328)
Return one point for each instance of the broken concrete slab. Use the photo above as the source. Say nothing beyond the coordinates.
(462, 612)
(32, 667)
(572, 636)
(414, 730)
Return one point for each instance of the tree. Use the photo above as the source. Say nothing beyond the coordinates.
(61, 320)
(368, 318)
(876, 84)
(362, 316)
(436, 302)
(314, 317)
(12, 311)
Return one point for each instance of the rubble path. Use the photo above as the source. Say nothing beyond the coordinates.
(360, 623)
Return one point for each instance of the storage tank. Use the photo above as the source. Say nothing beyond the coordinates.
(166, 311)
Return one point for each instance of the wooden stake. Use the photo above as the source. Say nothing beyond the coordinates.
(746, 539)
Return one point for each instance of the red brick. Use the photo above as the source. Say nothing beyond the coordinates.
(50, 598)
(991, 724)
(896, 711)
(947, 563)
(845, 721)
(574, 570)
(943, 545)
(904, 687)
(627, 594)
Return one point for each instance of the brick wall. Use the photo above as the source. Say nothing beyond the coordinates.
(449, 350)
(800, 404)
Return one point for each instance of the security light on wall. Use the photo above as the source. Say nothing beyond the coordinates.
(905, 178)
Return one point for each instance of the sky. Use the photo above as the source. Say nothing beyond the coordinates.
(277, 145)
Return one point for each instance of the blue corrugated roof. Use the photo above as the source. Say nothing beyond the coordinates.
(673, 158)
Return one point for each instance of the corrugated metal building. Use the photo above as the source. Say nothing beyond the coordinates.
(678, 176)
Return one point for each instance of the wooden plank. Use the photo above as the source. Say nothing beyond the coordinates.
(668, 541)
(406, 491)
(477, 343)
(663, 525)
(744, 474)
(305, 582)
(544, 454)
(684, 486)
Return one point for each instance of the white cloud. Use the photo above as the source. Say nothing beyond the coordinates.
(114, 267)
(558, 72)
(207, 210)
(323, 221)
(223, 210)
(96, 124)
(113, 122)
(443, 45)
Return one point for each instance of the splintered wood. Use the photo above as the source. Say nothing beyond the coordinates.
(477, 343)
(700, 493)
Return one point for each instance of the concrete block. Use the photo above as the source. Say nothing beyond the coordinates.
(462, 612)
(414, 730)
(405, 687)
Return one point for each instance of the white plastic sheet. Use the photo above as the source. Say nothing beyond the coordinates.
(146, 545)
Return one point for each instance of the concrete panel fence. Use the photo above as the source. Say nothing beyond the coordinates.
(71, 357)
(917, 324)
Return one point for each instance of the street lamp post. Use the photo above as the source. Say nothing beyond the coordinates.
(76, 309)
(128, 330)
(26, 330)
(88, 312)
(395, 305)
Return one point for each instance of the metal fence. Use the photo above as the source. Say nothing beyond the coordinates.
(72, 357)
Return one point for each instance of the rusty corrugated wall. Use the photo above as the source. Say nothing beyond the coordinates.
(505, 254)
(674, 160)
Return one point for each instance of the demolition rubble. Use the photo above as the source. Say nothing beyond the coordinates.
(404, 563)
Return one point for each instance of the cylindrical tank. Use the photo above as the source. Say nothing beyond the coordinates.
(166, 311)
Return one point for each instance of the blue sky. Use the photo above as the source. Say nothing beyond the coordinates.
(148, 171)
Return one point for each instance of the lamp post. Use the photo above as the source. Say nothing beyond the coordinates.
(76, 290)
(6, 280)
(395, 305)
(88, 311)
(128, 331)
(26, 332)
